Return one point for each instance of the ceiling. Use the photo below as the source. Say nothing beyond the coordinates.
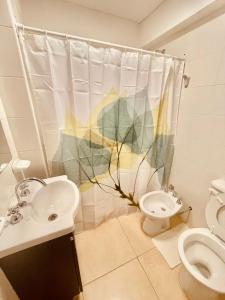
(134, 10)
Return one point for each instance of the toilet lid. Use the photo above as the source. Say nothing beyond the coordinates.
(215, 215)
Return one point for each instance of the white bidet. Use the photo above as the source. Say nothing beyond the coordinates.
(158, 207)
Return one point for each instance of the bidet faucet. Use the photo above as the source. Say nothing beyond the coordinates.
(171, 189)
(22, 186)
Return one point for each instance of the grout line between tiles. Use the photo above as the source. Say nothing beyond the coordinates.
(205, 85)
(148, 277)
(137, 257)
(11, 76)
(124, 231)
(17, 118)
(123, 264)
(7, 26)
(153, 248)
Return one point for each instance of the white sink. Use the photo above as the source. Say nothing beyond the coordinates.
(59, 197)
(56, 200)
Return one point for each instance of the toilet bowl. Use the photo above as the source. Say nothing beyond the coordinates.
(158, 207)
(203, 256)
(202, 253)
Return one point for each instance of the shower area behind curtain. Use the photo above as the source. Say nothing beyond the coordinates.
(107, 119)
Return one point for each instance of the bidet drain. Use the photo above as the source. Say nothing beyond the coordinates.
(52, 217)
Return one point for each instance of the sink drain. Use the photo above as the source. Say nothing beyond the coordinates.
(52, 217)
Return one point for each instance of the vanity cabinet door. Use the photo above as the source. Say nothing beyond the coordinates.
(48, 271)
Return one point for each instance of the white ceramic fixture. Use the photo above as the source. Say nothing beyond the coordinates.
(56, 200)
(158, 207)
(202, 251)
(49, 214)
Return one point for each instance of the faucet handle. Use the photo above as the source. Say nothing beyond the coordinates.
(23, 186)
(171, 188)
(24, 193)
(16, 218)
(175, 194)
(179, 201)
(13, 210)
(22, 203)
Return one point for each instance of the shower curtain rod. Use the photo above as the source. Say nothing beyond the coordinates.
(74, 37)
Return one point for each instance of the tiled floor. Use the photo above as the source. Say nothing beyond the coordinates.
(119, 262)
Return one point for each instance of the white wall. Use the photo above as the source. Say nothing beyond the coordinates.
(14, 95)
(174, 17)
(200, 143)
(67, 17)
(165, 22)
(7, 179)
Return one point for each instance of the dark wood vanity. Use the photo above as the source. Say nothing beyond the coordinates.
(48, 271)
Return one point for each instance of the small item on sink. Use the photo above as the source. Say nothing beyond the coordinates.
(20, 165)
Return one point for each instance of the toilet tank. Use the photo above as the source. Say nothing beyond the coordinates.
(218, 185)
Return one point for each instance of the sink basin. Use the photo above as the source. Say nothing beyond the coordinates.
(49, 214)
(57, 200)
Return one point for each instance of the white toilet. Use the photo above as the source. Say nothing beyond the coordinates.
(202, 251)
(158, 207)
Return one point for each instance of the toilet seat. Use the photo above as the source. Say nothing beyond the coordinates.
(215, 215)
(203, 255)
(202, 250)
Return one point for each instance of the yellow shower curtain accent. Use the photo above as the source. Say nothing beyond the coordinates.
(159, 113)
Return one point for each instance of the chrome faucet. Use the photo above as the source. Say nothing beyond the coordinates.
(171, 189)
(21, 189)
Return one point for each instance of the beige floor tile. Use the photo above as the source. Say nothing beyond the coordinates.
(128, 282)
(131, 225)
(164, 280)
(102, 249)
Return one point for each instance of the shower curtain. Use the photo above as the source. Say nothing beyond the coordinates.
(107, 118)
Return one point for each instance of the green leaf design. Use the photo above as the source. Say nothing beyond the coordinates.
(128, 121)
(162, 155)
(131, 114)
(81, 158)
